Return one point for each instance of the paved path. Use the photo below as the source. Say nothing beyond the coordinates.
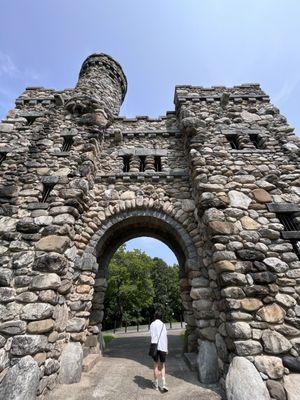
(124, 373)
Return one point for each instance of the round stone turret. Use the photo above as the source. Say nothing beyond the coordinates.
(99, 92)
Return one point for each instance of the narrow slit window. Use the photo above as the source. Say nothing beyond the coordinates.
(30, 119)
(2, 157)
(142, 163)
(157, 163)
(256, 141)
(67, 144)
(126, 163)
(46, 191)
(233, 141)
(287, 220)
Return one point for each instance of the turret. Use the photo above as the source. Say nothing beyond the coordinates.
(99, 92)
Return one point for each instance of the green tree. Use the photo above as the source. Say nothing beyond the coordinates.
(130, 290)
(166, 289)
(160, 285)
(174, 291)
(137, 286)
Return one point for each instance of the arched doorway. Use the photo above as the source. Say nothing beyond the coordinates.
(131, 224)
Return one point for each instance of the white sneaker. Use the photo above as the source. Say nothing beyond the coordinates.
(164, 389)
(155, 385)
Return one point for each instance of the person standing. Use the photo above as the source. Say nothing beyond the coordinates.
(158, 333)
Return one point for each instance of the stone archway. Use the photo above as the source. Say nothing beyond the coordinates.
(125, 226)
(222, 165)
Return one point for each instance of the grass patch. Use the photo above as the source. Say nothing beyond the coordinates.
(182, 335)
(108, 338)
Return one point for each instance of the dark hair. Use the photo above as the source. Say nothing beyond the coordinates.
(157, 315)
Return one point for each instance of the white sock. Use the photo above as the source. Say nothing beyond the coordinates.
(155, 382)
(164, 381)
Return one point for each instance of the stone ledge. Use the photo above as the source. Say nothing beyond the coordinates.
(131, 134)
(127, 176)
(61, 153)
(50, 179)
(291, 235)
(69, 132)
(5, 149)
(143, 152)
(243, 151)
(283, 207)
(38, 206)
(169, 115)
(35, 101)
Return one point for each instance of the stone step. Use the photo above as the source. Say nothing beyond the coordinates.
(90, 361)
(191, 360)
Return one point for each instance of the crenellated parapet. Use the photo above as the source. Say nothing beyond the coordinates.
(251, 92)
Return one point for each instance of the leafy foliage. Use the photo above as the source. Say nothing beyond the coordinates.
(165, 282)
(130, 290)
(137, 286)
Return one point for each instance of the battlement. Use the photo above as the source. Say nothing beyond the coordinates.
(248, 91)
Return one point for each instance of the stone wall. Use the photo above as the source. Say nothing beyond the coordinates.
(217, 180)
(253, 269)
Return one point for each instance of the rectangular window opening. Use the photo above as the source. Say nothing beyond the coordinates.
(157, 163)
(233, 141)
(287, 220)
(256, 140)
(46, 191)
(2, 157)
(126, 163)
(142, 163)
(67, 144)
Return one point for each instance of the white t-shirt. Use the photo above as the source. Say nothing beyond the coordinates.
(155, 329)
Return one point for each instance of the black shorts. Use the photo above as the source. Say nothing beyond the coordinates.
(161, 355)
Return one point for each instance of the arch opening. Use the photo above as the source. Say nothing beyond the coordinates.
(133, 227)
(143, 277)
(118, 230)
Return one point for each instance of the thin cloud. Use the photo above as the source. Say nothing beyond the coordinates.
(13, 79)
(7, 66)
(286, 90)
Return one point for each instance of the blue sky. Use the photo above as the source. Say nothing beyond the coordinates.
(153, 247)
(159, 43)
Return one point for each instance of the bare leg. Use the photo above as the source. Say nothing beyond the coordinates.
(162, 369)
(155, 375)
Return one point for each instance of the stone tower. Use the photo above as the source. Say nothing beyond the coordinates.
(100, 91)
(218, 180)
